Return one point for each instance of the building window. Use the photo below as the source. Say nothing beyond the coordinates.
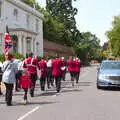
(37, 25)
(0, 8)
(15, 13)
(28, 20)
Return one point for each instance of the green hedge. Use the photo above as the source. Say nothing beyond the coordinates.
(17, 56)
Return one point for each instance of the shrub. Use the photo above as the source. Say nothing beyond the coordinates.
(2, 57)
(18, 55)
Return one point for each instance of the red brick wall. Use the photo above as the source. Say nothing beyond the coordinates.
(51, 48)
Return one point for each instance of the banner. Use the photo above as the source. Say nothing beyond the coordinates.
(7, 43)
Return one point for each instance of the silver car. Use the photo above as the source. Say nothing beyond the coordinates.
(108, 74)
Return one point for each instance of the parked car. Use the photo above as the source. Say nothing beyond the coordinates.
(108, 74)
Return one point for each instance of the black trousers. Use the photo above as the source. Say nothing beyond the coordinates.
(73, 75)
(58, 83)
(42, 83)
(33, 78)
(64, 74)
(8, 94)
(17, 76)
(49, 77)
(25, 93)
(77, 76)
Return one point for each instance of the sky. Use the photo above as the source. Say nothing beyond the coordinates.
(94, 16)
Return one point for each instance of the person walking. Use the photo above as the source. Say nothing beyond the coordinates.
(31, 64)
(9, 71)
(57, 72)
(71, 68)
(25, 83)
(64, 64)
(77, 70)
(49, 72)
(43, 69)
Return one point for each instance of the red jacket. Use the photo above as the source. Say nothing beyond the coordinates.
(43, 67)
(71, 65)
(25, 81)
(78, 64)
(31, 64)
(64, 64)
(56, 67)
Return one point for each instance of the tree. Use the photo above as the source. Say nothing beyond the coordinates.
(65, 12)
(114, 36)
(88, 48)
(30, 2)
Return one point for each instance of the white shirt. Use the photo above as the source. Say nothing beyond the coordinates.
(49, 63)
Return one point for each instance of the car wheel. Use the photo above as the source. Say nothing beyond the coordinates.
(98, 87)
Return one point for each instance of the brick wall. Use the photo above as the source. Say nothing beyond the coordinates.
(51, 49)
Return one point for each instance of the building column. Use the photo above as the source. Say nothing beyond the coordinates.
(20, 44)
(34, 46)
(24, 45)
(31, 44)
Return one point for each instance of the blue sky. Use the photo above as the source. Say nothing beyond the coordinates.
(95, 15)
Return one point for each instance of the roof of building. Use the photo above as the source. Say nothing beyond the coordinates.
(25, 7)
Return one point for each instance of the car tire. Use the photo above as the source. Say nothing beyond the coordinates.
(98, 87)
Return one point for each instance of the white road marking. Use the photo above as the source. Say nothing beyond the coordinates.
(28, 113)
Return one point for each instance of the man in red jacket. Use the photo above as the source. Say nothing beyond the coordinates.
(64, 64)
(32, 64)
(71, 68)
(77, 70)
(43, 68)
(57, 72)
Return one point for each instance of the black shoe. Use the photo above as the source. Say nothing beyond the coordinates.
(58, 91)
(32, 95)
(17, 90)
(49, 87)
(76, 82)
(9, 104)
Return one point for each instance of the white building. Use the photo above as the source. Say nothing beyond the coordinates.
(24, 22)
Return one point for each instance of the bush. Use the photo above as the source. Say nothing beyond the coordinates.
(18, 55)
(2, 57)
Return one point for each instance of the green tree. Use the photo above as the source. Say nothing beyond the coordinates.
(114, 36)
(88, 48)
(65, 12)
(30, 2)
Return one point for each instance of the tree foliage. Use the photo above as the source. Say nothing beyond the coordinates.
(114, 36)
(88, 48)
(30, 2)
(65, 12)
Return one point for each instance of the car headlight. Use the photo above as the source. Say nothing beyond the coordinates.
(104, 77)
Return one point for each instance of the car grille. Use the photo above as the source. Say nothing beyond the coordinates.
(114, 77)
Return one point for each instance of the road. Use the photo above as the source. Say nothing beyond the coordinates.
(83, 102)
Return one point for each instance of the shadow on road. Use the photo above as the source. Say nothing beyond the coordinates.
(47, 93)
(34, 103)
(85, 83)
(73, 90)
(111, 89)
(69, 84)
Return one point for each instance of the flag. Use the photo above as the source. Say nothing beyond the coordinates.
(7, 41)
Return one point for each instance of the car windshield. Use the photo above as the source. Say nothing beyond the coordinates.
(110, 65)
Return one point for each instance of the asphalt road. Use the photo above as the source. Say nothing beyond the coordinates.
(83, 102)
